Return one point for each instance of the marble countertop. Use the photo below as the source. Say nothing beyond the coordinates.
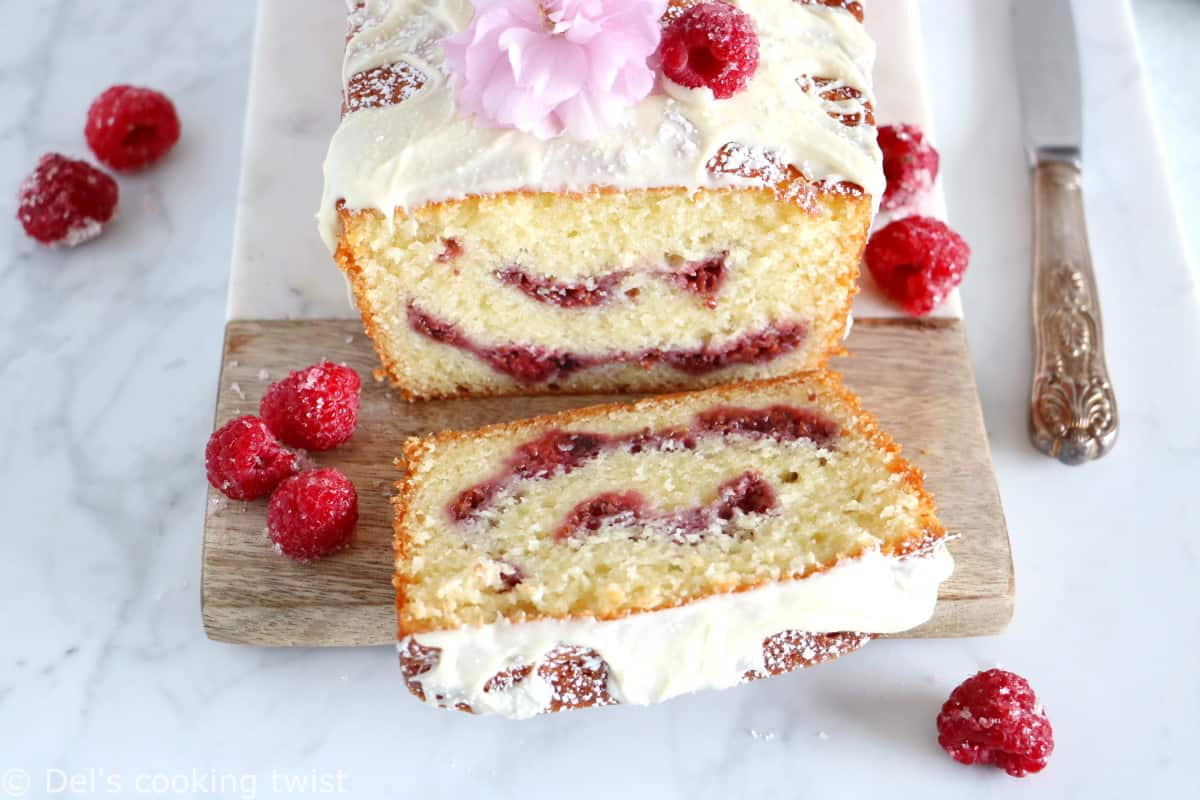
(109, 359)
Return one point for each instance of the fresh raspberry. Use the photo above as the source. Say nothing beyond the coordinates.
(65, 201)
(994, 718)
(244, 461)
(910, 164)
(313, 514)
(917, 261)
(129, 127)
(315, 408)
(713, 45)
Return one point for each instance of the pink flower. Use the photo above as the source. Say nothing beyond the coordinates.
(554, 66)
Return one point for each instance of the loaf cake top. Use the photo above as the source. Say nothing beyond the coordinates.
(405, 141)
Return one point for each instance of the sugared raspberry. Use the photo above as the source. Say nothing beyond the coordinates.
(244, 461)
(65, 201)
(315, 408)
(917, 261)
(994, 718)
(713, 45)
(910, 164)
(129, 127)
(313, 514)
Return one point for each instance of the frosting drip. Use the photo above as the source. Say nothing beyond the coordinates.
(422, 150)
(707, 644)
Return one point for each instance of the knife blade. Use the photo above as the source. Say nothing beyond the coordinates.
(1048, 78)
(1072, 409)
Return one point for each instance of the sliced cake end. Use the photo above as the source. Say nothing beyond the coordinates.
(647, 290)
(679, 543)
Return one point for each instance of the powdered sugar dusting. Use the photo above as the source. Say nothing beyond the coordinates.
(766, 168)
(679, 132)
(791, 650)
(382, 86)
(361, 18)
(80, 232)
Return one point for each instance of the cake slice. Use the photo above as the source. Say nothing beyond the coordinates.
(698, 240)
(632, 553)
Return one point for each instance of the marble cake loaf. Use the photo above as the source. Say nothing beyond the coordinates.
(698, 241)
(632, 553)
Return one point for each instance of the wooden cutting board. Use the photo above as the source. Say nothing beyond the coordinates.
(915, 376)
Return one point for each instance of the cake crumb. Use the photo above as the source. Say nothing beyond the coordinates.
(823, 736)
(761, 736)
(217, 504)
(263, 375)
(233, 363)
(349, 339)
(236, 388)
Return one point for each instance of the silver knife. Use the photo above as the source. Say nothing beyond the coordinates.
(1073, 411)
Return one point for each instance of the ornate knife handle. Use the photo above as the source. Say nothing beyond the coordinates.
(1073, 413)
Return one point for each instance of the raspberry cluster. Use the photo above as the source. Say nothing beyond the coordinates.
(67, 202)
(311, 514)
(917, 261)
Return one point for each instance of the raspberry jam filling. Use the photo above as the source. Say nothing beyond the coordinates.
(535, 364)
(452, 250)
(564, 294)
(701, 278)
(749, 493)
(560, 452)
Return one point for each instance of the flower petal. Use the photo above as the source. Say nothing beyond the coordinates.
(550, 67)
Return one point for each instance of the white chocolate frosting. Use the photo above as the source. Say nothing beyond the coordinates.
(707, 644)
(423, 150)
